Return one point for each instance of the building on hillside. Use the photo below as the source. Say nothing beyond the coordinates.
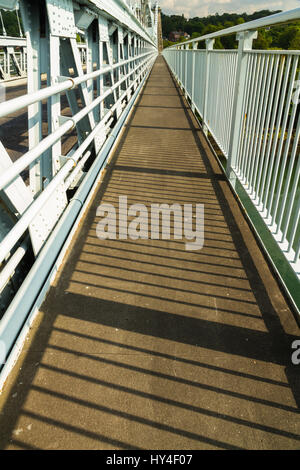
(176, 35)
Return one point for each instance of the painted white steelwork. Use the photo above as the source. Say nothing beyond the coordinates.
(100, 78)
(13, 58)
(138, 15)
(248, 101)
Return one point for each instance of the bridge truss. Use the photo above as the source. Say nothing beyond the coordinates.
(100, 78)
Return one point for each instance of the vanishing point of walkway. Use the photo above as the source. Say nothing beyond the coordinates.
(144, 345)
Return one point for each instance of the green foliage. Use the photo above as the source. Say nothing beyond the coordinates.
(263, 41)
(195, 34)
(167, 43)
(286, 36)
(289, 37)
(295, 42)
(10, 23)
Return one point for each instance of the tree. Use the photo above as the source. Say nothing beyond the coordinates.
(167, 43)
(289, 37)
(195, 34)
(10, 23)
(295, 42)
(263, 41)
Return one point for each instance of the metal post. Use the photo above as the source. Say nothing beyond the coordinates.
(245, 44)
(181, 70)
(55, 99)
(185, 75)
(31, 19)
(209, 47)
(103, 37)
(89, 61)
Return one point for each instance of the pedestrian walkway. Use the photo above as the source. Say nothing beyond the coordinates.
(145, 345)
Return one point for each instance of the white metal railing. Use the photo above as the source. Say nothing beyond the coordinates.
(248, 100)
(67, 171)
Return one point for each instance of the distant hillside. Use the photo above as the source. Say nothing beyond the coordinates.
(278, 37)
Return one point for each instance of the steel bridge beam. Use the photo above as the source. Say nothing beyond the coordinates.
(9, 41)
(119, 49)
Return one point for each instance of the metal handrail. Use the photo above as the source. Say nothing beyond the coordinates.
(20, 102)
(21, 226)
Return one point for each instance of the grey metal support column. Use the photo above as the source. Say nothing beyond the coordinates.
(134, 54)
(129, 66)
(100, 80)
(125, 57)
(30, 11)
(107, 36)
(118, 71)
(97, 59)
(89, 62)
(55, 110)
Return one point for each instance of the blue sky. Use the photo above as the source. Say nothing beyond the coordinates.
(192, 8)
